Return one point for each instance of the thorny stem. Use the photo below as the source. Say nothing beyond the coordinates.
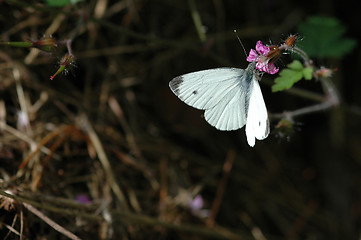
(303, 55)
(68, 46)
(289, 115)
(294, 49)
(331, 94)
(331, 99)
(331, 91)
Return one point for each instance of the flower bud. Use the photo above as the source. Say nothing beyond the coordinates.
(274, 53)
(324, 72)
(284, 129)
(291, 41)
(45, 44)
(66, 63)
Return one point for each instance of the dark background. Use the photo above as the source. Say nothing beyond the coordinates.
(303, 186)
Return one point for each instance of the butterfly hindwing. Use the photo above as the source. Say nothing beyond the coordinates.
(229, 113)
(257, 125)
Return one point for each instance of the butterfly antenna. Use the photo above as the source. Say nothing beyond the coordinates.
(239, 40)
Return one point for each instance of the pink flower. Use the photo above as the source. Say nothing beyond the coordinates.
(196, 204)
(82, 198)
(263, 57)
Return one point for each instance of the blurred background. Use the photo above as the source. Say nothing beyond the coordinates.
(107, 151)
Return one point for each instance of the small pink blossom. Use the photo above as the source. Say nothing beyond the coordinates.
(324, 72)
(196, 206)
(82, 198)
(262, 56)
(196, 203)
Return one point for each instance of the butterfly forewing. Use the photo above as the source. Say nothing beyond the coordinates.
(218, 92)
(205, 89)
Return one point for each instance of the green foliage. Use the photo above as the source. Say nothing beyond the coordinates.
(323, 37)
(60, 3)
(294, 72)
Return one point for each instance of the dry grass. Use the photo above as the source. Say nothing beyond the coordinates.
(107, 152)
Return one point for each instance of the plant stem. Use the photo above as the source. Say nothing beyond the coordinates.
(197, 20)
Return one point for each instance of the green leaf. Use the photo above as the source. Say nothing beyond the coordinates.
(307, 73)
(323, 37)
(60, 3)
(292, 74)
(57, 3)
(295, 65)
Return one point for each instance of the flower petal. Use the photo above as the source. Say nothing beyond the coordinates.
(252, 56)
(267, 67)
(261, 66)
(272, 68)
(262, 49)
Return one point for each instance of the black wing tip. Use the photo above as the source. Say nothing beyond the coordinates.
(175, 83)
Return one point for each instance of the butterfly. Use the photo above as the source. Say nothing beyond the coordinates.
(231, 98)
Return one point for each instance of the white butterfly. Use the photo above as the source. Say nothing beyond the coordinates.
(231, 98)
